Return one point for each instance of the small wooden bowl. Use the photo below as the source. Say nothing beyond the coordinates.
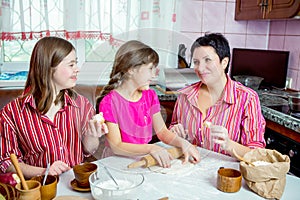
(229, 180)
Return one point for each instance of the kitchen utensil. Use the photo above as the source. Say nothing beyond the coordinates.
(49, 188)
(82, 172)
(46, 173)
(15, 162)
(249, 81)
(32, 193)
(109, 174)
(229, 180)
(241, 158)
(148, 160)
(104, 188)
(293, 99)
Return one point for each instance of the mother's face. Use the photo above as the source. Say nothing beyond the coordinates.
(207, 64)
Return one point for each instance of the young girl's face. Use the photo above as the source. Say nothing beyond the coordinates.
(65, 74)
(143, 76)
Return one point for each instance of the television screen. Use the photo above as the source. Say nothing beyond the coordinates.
(269, 64)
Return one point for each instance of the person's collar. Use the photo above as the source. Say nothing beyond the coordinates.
(30, 100)
(229, 91)
(69, 100)
(229, 94)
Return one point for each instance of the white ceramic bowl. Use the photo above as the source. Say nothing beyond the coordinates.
(103, 187)
(249, 81)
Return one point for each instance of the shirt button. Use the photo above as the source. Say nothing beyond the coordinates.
(60, 148)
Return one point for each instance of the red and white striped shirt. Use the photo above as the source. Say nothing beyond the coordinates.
(36, 140)
(238, 110)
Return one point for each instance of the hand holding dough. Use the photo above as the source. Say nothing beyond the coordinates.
(99, 118)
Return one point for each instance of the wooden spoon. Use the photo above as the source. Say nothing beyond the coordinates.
(241, 158)
(15, 162)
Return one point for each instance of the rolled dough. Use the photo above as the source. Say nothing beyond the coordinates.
(177, 168)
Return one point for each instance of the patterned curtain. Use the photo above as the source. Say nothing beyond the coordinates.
(110, 20)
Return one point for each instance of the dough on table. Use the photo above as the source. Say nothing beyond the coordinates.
(176, 168)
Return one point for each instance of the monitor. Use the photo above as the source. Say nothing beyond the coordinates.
(271, 65)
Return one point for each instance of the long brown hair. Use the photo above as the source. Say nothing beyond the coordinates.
(47, 53)
(131, 54)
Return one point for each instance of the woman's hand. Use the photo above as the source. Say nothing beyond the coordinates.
(58, 167)
(179, 130)
(161, 155)
(219, 135)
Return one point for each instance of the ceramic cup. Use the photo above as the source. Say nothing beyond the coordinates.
(33, 192)
(48, 191)
(82, 173)
(229, 180)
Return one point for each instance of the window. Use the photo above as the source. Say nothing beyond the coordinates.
(96, 28)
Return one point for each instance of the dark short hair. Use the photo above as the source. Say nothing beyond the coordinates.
(216, 41)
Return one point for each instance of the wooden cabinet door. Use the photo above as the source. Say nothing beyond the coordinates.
(266, 9)
(283, 9)
(248, 9)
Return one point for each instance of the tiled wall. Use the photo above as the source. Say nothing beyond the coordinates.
(200, 16)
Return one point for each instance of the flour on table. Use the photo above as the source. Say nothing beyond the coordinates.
(177, 168)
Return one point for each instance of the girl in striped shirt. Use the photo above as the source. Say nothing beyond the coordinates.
(50, 122)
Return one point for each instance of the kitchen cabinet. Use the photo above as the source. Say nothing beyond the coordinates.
(286, 142)
(266, 9)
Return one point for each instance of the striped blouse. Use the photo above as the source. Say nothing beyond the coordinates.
(36, 140)
(238, 110)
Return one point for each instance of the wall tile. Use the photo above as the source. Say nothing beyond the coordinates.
(214, 16)
(236, 40)
(291, 45)
(191, 16)
(293, 27)
(257, 27)
(256, 41)
(278, 27)
(276, 42)
(232, 26)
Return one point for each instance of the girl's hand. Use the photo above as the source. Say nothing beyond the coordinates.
(162, 156)
(219, 135)
(190, 152)
(58, 167)
(97, 127)
(179, 130)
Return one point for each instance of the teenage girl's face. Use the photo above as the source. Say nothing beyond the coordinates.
(144, 75)
(207, 65)
(65, 74)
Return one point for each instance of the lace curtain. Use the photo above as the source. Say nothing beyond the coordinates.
(111, 20)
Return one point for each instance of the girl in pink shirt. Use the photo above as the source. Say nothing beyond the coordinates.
(132, 110)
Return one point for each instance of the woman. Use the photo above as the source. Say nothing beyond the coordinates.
(132, 110)
(231, 110)
(50, 122)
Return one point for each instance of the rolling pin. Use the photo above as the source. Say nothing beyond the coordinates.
(15, 162)
(148, 160)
